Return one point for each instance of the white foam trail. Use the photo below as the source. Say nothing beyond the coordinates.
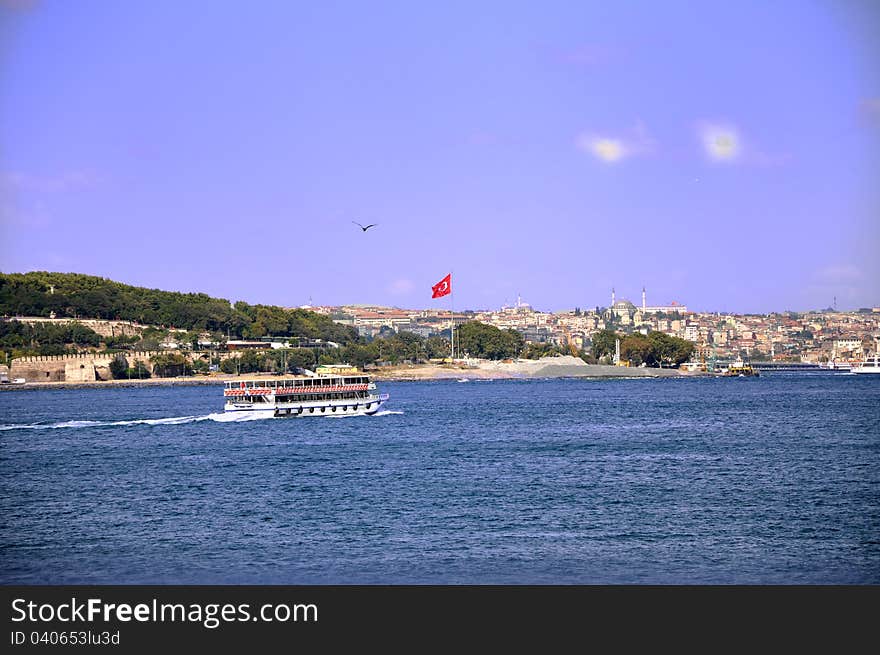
(239, 417)
(219, 417)
(174, 420)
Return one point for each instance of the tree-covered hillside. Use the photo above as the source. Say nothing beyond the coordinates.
(85, 296)
(23, 339)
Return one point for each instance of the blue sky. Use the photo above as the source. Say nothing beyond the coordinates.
(725, 155)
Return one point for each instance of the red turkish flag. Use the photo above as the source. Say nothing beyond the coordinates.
(443, 287)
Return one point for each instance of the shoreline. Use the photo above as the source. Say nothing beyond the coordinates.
(558, 367)
(115, 384)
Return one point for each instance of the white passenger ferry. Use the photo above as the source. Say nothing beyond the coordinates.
(310, 394)
(869, 365)
(835, 365)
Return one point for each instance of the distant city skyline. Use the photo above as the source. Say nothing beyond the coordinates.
(725, 157)
(585, 307)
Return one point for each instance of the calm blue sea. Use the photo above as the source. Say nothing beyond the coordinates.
(672, 481)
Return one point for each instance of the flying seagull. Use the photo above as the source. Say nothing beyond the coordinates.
(365, 228)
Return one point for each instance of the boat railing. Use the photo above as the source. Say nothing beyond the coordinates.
(259, 391)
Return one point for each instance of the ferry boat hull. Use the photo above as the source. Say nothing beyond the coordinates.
(870, 365)
(364, 407)
(310, 395)
(837, 366)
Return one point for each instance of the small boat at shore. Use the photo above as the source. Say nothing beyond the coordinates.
(309, 394)
(740, 369)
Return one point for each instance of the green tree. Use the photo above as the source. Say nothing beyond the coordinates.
(170, 365)
(655, 349)
(301, 358)
(120, 342)
(273, 320)
(361, 355)
(604, 343)
(662, 349)
(119, 367)
(201, 366)
(401, 346)
(481, 340)
(436, 347)
(330, 356)
(636, 348)
(139, 370)
(588, 357)
(252, 361)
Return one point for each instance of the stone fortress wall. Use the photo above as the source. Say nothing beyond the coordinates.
(89, 367)
(72, 368)
(79, 368)
(103, 327)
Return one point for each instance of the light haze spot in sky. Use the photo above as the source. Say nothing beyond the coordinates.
(401, 286)
(720, 143)
(605, 149)
(608, 150)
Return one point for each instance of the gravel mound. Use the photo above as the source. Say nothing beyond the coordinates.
(569, 366)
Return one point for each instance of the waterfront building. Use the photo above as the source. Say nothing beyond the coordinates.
(537, 335)
(247, 344)
(424, 330)
(375, 317)
(847, 348)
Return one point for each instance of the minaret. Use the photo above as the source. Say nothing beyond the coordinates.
(612, 296)
(643, 300)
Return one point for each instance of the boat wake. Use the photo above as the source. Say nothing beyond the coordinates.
(219, 417)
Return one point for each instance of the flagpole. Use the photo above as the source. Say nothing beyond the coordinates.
(452, 302)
